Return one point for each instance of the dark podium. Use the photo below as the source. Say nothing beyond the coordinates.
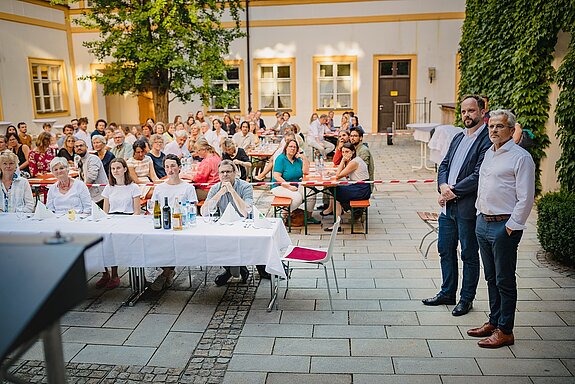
(43, 278)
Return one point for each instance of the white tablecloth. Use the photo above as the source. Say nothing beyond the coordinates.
(439, 143)
(131, 241)
(422, 131)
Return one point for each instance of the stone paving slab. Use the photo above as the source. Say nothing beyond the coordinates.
(465, 348)
(349, 331)
(85, 319)
(311, 347)
(86, 335)
(389, 347)
(383, 318)
(522, 367)
(245, 378)
(308, 378)
(353, 364)
(114, 355)
(259, 363)
(427, 332)
(175, 350)
(443, 366)
(396, 379)
(152, 330)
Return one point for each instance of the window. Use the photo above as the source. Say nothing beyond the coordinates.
(275, 84)
(48, 86)
(232, 82)
(335, 83)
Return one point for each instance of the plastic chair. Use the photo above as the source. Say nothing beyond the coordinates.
(314, 256)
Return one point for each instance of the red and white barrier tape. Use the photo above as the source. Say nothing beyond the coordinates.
(310, 183)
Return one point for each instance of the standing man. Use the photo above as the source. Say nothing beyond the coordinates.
(457, 181)
(82, 133)
(504, 201)
(91, 170)
(315, 134)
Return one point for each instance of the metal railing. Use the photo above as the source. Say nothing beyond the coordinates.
(416, 111)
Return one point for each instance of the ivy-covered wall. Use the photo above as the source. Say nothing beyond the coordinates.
(506, 53)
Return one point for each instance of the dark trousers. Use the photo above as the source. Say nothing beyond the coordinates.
(499, 256)
(453, 228)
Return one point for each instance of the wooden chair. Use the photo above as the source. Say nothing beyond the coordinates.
(431, 219)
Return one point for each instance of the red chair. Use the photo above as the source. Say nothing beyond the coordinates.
(314, 256)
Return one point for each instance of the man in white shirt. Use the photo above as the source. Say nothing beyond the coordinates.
(170, 189)
(178, 147)
(315, 134)
(504, 200)
(82, 133)
(121, 148)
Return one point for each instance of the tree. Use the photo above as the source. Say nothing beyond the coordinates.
(171, 48)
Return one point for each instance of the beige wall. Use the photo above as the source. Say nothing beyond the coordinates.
(549, 180)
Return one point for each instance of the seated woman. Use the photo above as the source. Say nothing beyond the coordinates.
(238, 156)
(67, 193)
(290, 166)
(121, 197)
(16, 191)
(351, 168)
(207, 168)
(99, 145)
(269, 165)
(343, 138)
(21, 150)
(39, 158)
(156, 154)
(67, 150)
(141, 168)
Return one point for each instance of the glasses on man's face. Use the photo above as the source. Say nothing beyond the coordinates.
(498, 127)
(226, 172)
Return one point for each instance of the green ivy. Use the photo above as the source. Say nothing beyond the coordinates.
(565, 118)
(506, 53)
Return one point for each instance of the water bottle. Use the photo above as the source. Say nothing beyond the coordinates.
(185, 214)
(192, 210)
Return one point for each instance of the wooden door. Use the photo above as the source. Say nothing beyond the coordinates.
(393, 86)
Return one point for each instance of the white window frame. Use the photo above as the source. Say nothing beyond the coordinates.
(274, 80)
(56, 80)
(224, 84)
(334, 97)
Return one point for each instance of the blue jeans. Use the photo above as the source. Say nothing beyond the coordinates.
(499, 256)
(452, 229)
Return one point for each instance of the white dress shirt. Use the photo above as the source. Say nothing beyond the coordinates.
(215, 139)
(507, 184)
(316, 131)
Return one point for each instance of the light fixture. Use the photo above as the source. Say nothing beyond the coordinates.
(431, 73)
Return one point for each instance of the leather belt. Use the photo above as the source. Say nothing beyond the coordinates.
(497, 218)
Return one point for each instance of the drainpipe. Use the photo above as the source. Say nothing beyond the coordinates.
(248, 56)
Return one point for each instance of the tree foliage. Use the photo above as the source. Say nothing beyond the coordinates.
(171, 48)
(506, 53)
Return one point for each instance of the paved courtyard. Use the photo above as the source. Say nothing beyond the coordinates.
(380, 331)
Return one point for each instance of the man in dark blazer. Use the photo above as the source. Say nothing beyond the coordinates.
(457, 181)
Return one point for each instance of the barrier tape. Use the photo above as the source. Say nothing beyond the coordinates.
(311, 183)
(396, 133)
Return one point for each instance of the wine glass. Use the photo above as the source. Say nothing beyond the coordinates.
(212, 207)
(249, 210)
(150, 206)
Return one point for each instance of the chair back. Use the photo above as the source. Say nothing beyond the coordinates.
(332, 240)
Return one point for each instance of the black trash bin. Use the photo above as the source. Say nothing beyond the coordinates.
(389, 136)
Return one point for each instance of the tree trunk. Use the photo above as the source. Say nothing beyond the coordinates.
(161, 108)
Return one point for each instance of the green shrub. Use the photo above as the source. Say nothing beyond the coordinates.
(556, 225)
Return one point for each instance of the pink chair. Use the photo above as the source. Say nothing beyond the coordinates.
(314, 256)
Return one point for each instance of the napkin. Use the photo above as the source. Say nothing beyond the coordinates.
(42, 212)
(230, 215)
(260, 220)
(97, 213)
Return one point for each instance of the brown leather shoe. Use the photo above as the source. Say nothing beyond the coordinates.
(484, 331)
(497, 340)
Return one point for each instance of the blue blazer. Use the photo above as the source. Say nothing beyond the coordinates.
(468, 178)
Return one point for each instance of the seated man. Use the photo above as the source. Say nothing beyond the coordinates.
(240, 194)
(171, 188)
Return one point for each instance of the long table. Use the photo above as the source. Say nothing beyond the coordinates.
(132, 241)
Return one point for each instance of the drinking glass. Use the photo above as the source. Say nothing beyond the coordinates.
(212, 207)
(249, 210)
(150, 207)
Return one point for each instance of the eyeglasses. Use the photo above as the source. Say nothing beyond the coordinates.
(498, 127)
(226, 172)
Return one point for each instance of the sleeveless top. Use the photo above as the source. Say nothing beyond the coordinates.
(22, 158)
(361, 173)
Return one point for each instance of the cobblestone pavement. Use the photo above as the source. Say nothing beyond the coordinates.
(380, 332)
